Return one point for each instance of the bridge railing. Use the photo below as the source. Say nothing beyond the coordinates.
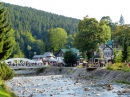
(23, 63)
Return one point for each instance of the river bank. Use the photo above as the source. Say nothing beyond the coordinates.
(102, 74)
(70, 82)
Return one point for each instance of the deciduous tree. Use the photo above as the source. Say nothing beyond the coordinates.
(56, 39)
(70, 58)
(122, 37)
(91, 34)
(70, 41)
(118, 57)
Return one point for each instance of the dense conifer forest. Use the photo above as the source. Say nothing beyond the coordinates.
(30, 28)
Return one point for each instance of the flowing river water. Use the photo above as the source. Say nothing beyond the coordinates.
(62, 86)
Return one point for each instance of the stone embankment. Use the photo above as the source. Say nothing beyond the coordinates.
(70, 82)
(102, 74)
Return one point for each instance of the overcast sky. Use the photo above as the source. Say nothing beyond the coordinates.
(80, 8)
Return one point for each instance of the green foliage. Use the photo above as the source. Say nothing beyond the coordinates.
(128, 54)
(118, 66)
(118, 57)
(80, 66)
(37, 21)
(125, 68)
(6, 35)
(100, 53)
(30, 27)
(122, 81)
(91, 77)
(106, 30)
(115, 66)
(70, 41)
(91, 34)
(6, 73)
(84, 55)
(17, 52)
(69, 70)
(5, 92)
(108, 21)
(122, 37)
(56, 39)
(70, 58)
(26, 45)
(115, 55)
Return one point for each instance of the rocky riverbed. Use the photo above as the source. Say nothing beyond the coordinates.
(60, 86)
(69, 83)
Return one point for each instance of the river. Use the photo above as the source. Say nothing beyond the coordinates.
(62, 86)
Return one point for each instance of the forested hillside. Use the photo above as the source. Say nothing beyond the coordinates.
(38, 22)
(30, 28)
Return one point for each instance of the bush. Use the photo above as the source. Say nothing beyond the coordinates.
(115, 66)
(125, 68)
(80, 66)
(6, 72)
(118, 66)
(69, 70)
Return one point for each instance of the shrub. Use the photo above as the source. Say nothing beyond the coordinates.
(125, 68)
(69, 70)
(80, 66)
(118, 66)
(115, 66)
(6, 72)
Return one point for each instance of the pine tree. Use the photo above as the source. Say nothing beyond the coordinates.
(6, 35)
(121, 21)
(128, 53)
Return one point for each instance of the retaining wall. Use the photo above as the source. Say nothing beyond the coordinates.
(77, 72)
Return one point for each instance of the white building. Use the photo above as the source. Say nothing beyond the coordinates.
(48, 59)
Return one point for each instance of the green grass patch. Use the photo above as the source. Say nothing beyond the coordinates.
(69, 70)
(5, 92)
(91, 77)
(122, 81)
(126, 68)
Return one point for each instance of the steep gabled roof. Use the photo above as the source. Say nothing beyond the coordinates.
(109, 42)
(74, 50)
(108, 47)
(64, 50)
(38, 56)
(48, 54)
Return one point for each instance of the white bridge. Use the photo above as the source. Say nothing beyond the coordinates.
(17, 63)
